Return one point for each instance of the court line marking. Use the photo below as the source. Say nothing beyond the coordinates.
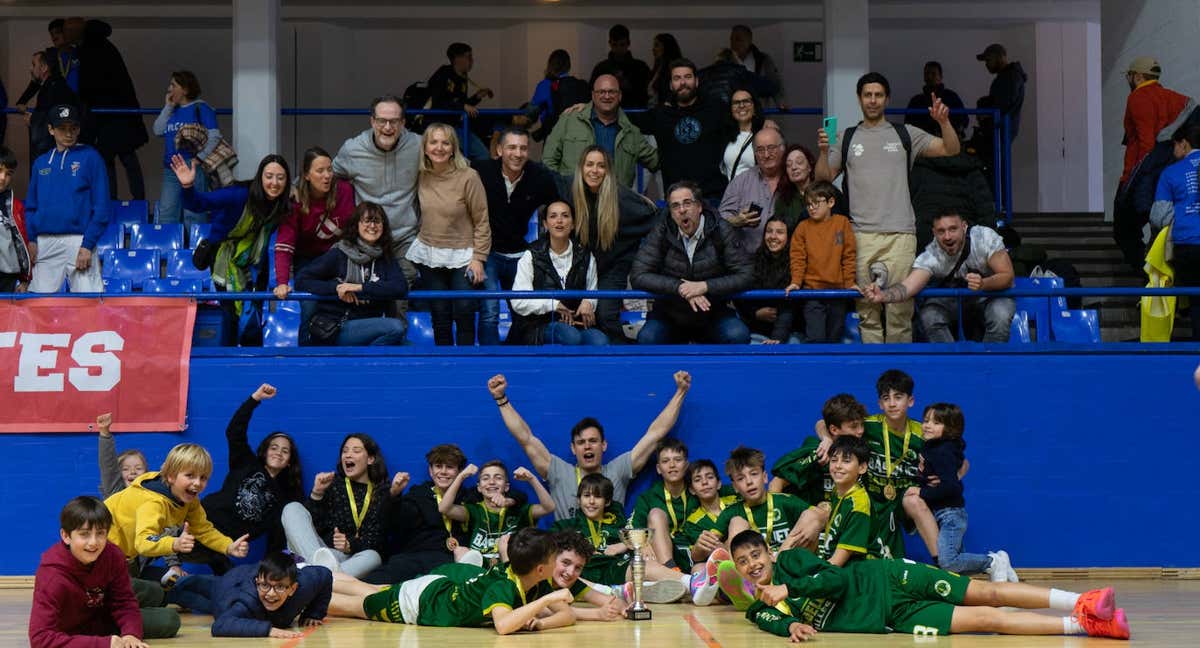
(702, 632)
(292, 643)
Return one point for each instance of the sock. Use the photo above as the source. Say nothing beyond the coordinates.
(1072, 627)
(1063, 600)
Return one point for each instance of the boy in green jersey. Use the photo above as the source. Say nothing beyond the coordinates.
(775, 516)
(798, 594)
(573, 551)
(492, 518)
(665, 505)
(466, 596)
(849, 531)
(800, 472)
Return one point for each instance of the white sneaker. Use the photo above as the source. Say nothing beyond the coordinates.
(325, 558)
(999, 569)
(472, 557)
(664, 591)
(704, 589)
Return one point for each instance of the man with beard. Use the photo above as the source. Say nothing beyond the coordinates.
(588, 446)
(960, 255)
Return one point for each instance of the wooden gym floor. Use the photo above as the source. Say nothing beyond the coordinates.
(1161, 613)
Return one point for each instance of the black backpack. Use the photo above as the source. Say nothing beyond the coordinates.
(416, 97)
(905, 140)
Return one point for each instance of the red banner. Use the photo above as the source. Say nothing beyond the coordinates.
(64, 360)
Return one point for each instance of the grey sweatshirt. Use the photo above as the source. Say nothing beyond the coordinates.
(388, 178)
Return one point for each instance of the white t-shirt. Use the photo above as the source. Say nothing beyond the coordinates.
(984, 243)
(745, 163)
(879, 198)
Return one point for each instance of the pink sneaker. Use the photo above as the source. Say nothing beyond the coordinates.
(1099, 603)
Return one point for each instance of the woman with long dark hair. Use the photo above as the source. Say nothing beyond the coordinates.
(339, 526)
(790, 203)
(665, 49)
(771, 322)
(745, 119)
(319, 213)
(360, 270)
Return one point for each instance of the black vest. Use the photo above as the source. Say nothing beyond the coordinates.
(528, 330)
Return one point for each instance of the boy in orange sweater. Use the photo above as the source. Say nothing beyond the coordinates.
(823, 257)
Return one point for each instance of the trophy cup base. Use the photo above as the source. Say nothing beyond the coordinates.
(638, 615)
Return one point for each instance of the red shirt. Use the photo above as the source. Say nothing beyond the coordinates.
(82, 606)
(311, 235)
(1149, 109)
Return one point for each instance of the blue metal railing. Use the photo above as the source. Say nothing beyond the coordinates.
(1001, 140)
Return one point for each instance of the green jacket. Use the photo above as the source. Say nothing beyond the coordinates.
(573, 133)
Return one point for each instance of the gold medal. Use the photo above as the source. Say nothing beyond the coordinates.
(889, 492)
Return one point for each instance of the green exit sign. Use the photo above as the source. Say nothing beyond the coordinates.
(808, 51)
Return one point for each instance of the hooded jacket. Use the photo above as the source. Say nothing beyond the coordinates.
(388, 178)
(145, 508)
(1008, 94)
(16, 212)
(237, 611)
(68, 194)
(82, 606)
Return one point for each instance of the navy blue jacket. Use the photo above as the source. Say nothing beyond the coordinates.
(225, 207)
(323, 274)
(943, 457)
(237, 612)
(68, 194)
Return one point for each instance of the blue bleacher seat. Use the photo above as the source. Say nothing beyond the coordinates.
(531, 234)
(1040, 308)
(852, 334)
(135, 265)
(1019, 331)
(113, 238)
(144, 236)
(179, 266)
(112, 285)
(197, 232)
(128, 212)
(420, 328)
(281, 326)
(172, 285)
(1081, 326)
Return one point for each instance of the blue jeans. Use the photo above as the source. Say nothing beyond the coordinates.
(170, 200)
(567, 335)
(718, 329)
(453, 319)
(952, 526)
(477, 149)
(372, 331)
(501, 271)
(194, 592)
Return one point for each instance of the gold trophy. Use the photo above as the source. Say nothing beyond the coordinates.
(636, 539)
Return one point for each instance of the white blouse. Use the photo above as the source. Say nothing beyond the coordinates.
(562, 264)
(745, 163)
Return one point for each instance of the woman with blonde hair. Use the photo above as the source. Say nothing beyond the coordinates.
(455, 236)
(610, 221)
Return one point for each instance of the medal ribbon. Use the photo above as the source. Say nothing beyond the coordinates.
(354, 512)
(770, 514)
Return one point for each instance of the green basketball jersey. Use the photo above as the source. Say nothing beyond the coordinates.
(832, 599)
(601, 534)
(657, 497)
(468, 595)
(849, 525)
(578, 590)
(807, 478)
(701, 520)
(488, 525)
(773, 518)
(889, 517)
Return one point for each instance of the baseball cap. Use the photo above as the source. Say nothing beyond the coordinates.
(63, 113)
(991, 50)
(1145, 65)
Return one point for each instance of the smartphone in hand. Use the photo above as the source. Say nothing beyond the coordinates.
(830, 126)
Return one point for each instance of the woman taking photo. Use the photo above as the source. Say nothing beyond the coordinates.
(556, 262)
(360, 271)
(455, 237)
(182, 106)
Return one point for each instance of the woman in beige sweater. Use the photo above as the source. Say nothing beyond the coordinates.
(455, 237)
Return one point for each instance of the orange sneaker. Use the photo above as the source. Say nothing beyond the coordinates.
(1116, 628)
(1099, 603)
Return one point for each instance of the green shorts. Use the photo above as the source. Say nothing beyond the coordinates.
(407, 602)
(606, 570)
(923, 598)
(384, 605)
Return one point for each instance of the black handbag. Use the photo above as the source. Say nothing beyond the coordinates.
(203, 255)
(323, 328)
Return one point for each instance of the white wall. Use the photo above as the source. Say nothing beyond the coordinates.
(1164, 29)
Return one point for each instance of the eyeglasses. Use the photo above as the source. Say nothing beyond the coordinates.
(371, 220)
(683, 204)
(606, 93)
(265, 587)
(394, 123)
(769, 149)
(737, 103)
(814, 205)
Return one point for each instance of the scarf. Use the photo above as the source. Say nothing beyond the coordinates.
(362, 258)
(241, 250)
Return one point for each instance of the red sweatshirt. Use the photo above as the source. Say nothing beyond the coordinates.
(82, 606)
(310, 235)
(1149, 109)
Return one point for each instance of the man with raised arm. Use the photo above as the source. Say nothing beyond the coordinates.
(588, 446)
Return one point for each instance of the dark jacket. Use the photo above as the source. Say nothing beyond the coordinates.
(924, 102)
(448, 91)
(51, 92)
(662, 262)
(956, 182)
(691, 142)
(104, 82)
(509, 215)
(71, 599)
(225, 205)
(772, 271)
(323, 274)
(632, 73)
(250, 500)
(637, 216)
(943, 458)
(1008, 94)
(414, 522)
(1137, 194)
(237, 612)
(529, 330)
(333, 512)
(721, 79)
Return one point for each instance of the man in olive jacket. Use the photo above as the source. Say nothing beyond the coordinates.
(601, 121)
(693, 259)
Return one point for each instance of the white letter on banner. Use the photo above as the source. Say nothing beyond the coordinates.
(8, 339)
(108, 363)
(34, 357)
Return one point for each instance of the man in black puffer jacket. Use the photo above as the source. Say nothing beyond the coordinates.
(694, 258)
